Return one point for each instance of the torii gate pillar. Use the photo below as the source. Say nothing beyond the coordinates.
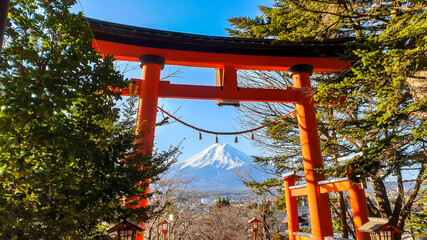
(147, 110)
(320, 215)
(148, 98)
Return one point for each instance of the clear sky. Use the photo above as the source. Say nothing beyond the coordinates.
(189, 16)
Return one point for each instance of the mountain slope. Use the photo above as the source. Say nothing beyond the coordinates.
(217, 168)
(218, 155)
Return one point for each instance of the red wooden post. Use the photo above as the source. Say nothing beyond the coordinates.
(291, 206)
(359, 209)
(147, 109)
(320, 215)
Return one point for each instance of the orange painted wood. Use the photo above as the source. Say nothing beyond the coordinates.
(219, 81)
(291, 207)
(184, 91)
(318, 204)
(359, 209)
(125, 52)
(335, 187)
(325, 188)
(146, 121)
(298, 192)
(288, 95)
(168, 90)
(302, 238)
(230, 81)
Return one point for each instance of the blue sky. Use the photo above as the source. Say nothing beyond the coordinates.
(190, 16)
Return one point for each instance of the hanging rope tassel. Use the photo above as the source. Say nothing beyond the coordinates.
(216, 139)
(252, 136)
(200, 136)
(236, 140)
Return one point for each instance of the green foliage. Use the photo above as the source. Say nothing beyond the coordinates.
(262, 187)
(222, 202)
(385, 115)
(418, 219)
(278, 236)
(62, 144)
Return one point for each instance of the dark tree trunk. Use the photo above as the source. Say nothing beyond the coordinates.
(4, 10)
(265, 227)
(343, 207)
(399, 200)
(418, 87)
(343, 215)
(381, 197)
(410, 200)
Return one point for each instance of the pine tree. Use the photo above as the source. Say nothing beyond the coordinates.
(62, 139)
(385, 114)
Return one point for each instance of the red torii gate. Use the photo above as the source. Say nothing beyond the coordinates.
(154, 48)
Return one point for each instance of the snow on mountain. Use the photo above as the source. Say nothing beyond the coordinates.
(217, 168)
(219, 155)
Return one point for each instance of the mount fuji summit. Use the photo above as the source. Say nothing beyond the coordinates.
(217, 168)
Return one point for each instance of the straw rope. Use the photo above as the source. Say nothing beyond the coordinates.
(224, 133)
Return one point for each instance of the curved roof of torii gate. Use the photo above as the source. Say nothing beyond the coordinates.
(128, 43)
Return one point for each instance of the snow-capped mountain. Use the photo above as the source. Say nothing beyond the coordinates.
(218, 168)
(219, 155)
